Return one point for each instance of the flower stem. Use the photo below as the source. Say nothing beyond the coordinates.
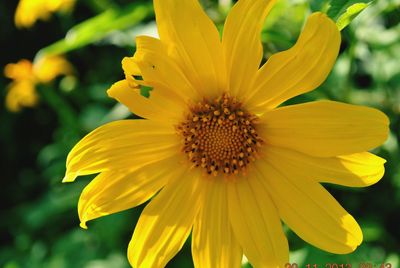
(66, 115)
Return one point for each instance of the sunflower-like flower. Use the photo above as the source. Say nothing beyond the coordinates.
(25, 76)
(29, 11)
(221, 158)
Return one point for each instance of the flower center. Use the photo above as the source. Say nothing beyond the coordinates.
(220, 136)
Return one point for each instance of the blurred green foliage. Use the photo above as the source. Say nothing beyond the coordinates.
(39, 224)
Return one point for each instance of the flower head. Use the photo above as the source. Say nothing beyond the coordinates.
(25, 76)
(221, 158)
(29, 11)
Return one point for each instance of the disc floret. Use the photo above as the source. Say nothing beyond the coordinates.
(220, 136)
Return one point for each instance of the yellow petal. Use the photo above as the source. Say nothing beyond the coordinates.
(60, 5)
(152, 108)
(168, 96)
(114, 191)
(170, 87)
(309, 210)
(213, 242)
(121, 145)
(157, 67)
(325, 128)
(166, 222)
(256, 223)
(300, 69)
(355, 170)
(193, 42)
(22, 70)
(241, 43)
(130, 70)
(21, 93)
(48, 68)
(29, 11)
(169, 100)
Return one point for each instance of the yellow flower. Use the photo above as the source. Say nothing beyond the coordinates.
(21, 70)
(47, 69)
(21, 94)
(218, 153)
(29, 11)
(25, 76)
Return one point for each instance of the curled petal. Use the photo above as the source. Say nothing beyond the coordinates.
(300, 69)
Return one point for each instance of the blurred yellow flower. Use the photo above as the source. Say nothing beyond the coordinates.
(29, 11)
(21, 94)
(222, 158)
(48, 68)
(21, 70)
(25, 76)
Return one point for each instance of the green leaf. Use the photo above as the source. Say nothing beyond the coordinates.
(350, 14)
(98, 27)
(338, 7)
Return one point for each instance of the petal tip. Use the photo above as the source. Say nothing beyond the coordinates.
(68, 178)
(355, 235)
(83, 225)
(111, 92)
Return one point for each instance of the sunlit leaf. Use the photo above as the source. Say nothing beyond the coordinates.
(339, 7)
(98, 27)
(350, 14)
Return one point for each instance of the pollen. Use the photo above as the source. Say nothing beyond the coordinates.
(220, 136)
